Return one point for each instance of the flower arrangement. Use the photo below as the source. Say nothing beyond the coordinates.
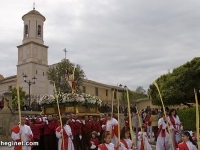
(71, 99)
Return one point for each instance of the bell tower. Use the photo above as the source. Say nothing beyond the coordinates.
(33, 54)
(33, 27)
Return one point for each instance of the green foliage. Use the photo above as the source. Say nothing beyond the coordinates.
(133, 96)
(177, 87)
(22, 95)
(140, 89)
(188, 118)
(57, 75)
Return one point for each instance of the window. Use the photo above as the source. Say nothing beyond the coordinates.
(43, 73)
(115, 95)
(39, 30)
(9, 88)
(106, 92)
(96, 91)
(36, 72)
(84, 89)
(26, 31)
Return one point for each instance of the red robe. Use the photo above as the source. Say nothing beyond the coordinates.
(65, 137)
(124, 142)
(183, 146)
(95, 141)
(16, 129)
(96, 126)
(173, 123)
(114, 130)
(71, 124)
(27, 122)
(147, 120)
(103, 147)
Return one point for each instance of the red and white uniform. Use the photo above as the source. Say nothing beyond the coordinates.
(143, 136)
(149, 126)
(67, 134)
(163, 140)
(94, 143)
(126, 144)
(112, 126)
(174, 122)
(25, 133)
(106, 146)
(187, 146)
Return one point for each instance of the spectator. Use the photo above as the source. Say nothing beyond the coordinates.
(34, 105)
(2, 103)
(154, 123)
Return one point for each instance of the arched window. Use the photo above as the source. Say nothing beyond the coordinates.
(39, 30)
(26, 31)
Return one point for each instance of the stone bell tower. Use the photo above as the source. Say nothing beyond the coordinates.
(33, 54)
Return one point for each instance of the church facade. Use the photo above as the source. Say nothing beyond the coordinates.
(33, 62)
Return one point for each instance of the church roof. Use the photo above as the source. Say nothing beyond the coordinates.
(35, 12)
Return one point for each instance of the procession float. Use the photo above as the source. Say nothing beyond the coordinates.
(72, 101)
(80, 104)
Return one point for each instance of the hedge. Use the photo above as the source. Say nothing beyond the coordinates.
(188, 118)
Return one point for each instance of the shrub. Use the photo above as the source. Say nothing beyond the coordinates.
(188, 118)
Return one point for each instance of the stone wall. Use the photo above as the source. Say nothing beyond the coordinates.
(8, 121)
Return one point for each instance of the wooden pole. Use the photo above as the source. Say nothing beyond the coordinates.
(113, 91)
(19, 105)
(61, 125)
(129, 116)
(197, 118)
(164, 114)
(118, 119)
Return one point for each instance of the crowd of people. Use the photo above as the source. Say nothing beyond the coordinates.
(101, 132)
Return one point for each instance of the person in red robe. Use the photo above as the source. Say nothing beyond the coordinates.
(125, 142)
(149, 126)
(102, 123)
(188, 143)
(96, 126)
(126, 120)
(50, 139)
(175, 126)
(94, 142)
(86, 132)
(21, 133)
(36, 131)
(107, 145)
(64, 135)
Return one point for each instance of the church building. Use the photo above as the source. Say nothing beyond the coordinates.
(33, 62)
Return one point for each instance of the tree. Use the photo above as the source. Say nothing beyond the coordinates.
(22, 96)
(57, 74)
(178, 87)
(140, 89)
(133, 96)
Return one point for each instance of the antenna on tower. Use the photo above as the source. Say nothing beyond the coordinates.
(34, 6)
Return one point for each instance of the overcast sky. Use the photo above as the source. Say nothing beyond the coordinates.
(130, 42)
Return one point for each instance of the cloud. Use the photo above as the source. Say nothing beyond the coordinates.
(127, 42)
